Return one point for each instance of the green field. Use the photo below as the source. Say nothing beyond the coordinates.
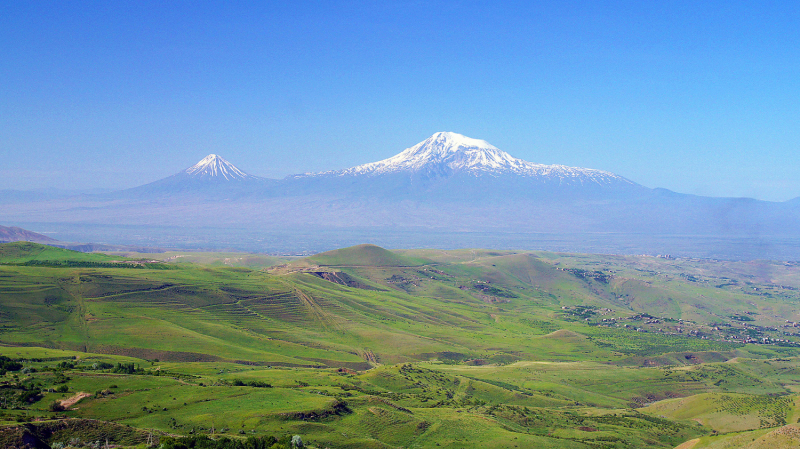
(364, 347)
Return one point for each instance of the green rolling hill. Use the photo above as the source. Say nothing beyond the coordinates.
(447, 347)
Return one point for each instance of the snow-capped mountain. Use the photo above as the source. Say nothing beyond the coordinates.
(213, 166)
(212, 177)
(449, 153)
(447, 190)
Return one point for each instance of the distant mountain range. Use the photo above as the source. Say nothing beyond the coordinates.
(424, 166)
(447, 183)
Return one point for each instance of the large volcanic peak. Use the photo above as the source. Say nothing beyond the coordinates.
(450, 153)
(453, 150)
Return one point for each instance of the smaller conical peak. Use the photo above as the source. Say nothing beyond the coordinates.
(214, 166)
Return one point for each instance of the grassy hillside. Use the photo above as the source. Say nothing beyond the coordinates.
(364, 256)
(218, 259)
(365, 347)
(21, 252)
(428, 404)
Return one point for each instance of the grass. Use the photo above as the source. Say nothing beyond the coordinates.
(419, 348)
(550, 404)
(21, 252)
(215, 259)
(365, 256)
(728, 412)
(784, 437)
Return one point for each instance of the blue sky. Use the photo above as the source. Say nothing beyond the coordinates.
(697, 97)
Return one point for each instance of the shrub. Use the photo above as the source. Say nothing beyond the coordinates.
(127, 368)
(56, 406)
(8, 364)
(204, 442)
(30, 396)
(250, 383)
(297, 441)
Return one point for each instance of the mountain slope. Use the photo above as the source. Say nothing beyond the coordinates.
(15, 234)
(447, 153)
(453, 182)
(363, 255)
(450, 170)
(468, 347)
(210, 178)
(450, 184)
(21, 252)
(487, 303)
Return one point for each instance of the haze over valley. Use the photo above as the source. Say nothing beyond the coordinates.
(464, 191)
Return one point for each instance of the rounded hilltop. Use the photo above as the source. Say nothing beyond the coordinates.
(364, 255)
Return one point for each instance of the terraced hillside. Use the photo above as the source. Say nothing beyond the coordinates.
(365, 347)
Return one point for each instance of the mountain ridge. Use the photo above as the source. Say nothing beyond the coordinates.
(448, 153)
(448, 183)
(16, 234)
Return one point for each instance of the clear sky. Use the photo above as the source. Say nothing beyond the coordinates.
(697, 97)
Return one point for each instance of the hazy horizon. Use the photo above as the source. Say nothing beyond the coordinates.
(97, 190)
(698, 99)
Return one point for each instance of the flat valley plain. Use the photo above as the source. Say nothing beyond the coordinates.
(365, 347)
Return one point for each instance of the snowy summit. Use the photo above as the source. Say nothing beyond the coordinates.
(448, 152)
(213, 166)
(444, 148)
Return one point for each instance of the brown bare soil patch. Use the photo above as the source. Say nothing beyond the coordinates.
(688, 444)
(72, 400)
